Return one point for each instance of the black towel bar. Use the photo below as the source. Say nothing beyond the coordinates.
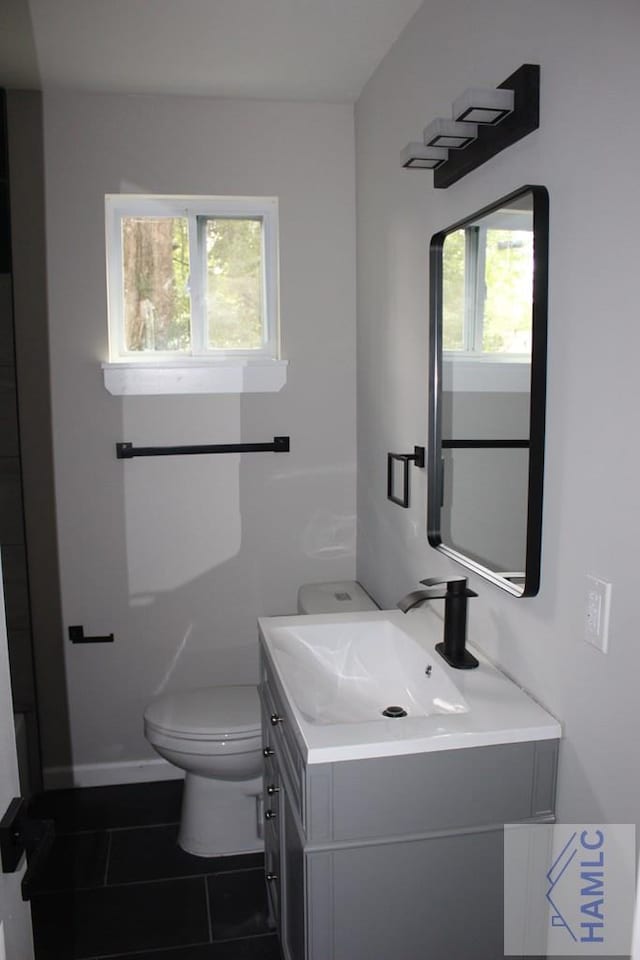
(126, 451)
(485, 444)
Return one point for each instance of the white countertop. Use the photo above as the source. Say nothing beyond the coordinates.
(499, 710)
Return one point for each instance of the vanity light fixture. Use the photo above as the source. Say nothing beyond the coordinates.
(421, 156)
(450, 134)
(483, 123)
(484, 106)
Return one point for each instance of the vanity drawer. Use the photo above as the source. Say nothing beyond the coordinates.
(272, 847)
(272, 882)
(277, 737)
(278, 708)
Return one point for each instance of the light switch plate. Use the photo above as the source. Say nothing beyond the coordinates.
(596, 628)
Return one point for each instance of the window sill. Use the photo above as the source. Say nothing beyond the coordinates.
(195, 377)
(476, 375)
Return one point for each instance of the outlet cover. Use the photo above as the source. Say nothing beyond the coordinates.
(596, 627)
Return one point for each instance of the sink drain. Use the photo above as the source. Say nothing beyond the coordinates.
(394, 712)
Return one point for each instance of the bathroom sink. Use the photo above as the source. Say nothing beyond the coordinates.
(335, 674)
(360, 671)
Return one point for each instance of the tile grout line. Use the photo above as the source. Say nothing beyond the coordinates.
(206, 900)
(141, 881)
(117, 884)
(115, 829)
(158, 950)
(108, 858)
(164, 950)
(144, 826)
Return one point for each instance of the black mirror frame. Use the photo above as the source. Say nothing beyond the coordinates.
(537, 400)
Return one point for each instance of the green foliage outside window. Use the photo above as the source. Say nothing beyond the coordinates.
(493, 304)
(453, 297)
(506, 326)
(157, 274)
(234, 283)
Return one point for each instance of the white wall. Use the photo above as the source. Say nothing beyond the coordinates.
(585, 153)
(178, 556)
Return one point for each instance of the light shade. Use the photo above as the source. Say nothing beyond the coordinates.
(419, 155)
(484, 106)
(451, 134)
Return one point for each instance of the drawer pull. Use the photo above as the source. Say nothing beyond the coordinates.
(271, 877)
(268, 752)
(271, 789)
(270, 814)
(275, 719)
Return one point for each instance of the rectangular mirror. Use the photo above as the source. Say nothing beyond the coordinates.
(488, 345)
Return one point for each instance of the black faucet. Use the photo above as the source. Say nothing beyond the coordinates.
(453, 648)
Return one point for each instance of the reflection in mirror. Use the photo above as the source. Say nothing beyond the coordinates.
(488, 360)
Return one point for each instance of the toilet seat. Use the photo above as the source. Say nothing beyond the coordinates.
(223, 714)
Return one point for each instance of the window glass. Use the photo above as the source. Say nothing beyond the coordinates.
(234, 283)
(506, 326)
(453, 284)
(487, 287)
(155, 273)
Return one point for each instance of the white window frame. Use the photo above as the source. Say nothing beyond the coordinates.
(202, 369)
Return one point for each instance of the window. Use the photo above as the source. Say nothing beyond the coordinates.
(192, 283)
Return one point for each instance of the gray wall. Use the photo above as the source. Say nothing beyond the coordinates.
(178, 556)
(590, 68)
(484, 513)
(33, 604)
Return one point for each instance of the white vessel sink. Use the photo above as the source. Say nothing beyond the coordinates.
(351, 672)
(338, 672)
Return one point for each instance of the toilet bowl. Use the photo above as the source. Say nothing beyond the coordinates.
(214, 735)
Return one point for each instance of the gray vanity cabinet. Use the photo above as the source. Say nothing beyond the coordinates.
(393, 856)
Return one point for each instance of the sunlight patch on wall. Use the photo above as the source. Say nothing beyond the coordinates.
(182, 519)
(182, 512)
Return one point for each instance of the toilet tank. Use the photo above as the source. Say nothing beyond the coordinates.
(339, 596)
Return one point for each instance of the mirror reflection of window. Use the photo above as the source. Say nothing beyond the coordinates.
(506, 321)
(453, 292)
(487, 275)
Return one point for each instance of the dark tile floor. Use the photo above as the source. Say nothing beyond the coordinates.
(116, 884)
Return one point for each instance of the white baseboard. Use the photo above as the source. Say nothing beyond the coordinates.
(108, 774)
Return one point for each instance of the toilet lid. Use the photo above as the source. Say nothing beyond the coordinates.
(219, 712)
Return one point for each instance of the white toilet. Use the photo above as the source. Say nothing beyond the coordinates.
(214, 735)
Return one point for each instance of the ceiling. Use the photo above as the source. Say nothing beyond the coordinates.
(267, 49)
